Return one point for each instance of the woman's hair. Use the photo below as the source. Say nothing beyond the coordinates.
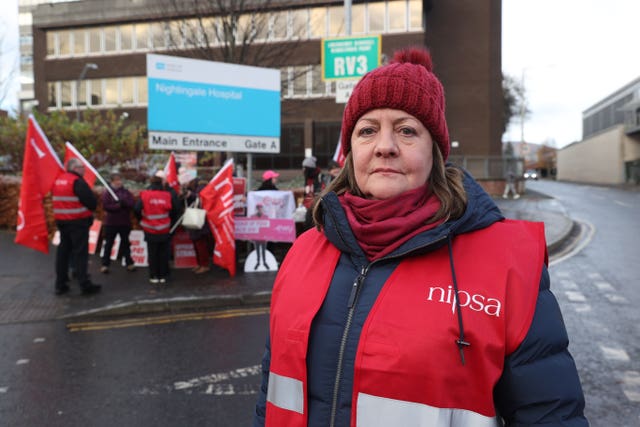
(445, 181)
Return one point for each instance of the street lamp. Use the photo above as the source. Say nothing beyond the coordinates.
(88, 66)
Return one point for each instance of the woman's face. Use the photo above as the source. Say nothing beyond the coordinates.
(391, 152)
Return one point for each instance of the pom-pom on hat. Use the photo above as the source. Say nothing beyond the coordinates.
(407, 83)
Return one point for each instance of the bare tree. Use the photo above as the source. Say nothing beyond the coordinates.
(235, 31)
(514, 101)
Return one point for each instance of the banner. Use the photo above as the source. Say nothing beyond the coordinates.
(139, 248)
(40, 168)
(267, 229)
(94, 233)
(275, 203)
(217, 200)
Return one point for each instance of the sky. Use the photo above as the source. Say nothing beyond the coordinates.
(570, 54)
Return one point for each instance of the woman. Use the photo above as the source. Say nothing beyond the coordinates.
(269, 180)
(414, 302)
(156, 210)
(202, 238)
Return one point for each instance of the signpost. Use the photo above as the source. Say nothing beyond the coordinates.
(198, 105)
(349, 57)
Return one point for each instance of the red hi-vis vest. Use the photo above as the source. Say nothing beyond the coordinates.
(156, 205)
(407, 367)
(66, 205)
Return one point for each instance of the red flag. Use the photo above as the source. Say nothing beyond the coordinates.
(171, 173)
(40, 168)
(217, 200)
(90, 173)
(338, 156)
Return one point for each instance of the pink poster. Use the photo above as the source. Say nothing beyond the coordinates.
(267, 229)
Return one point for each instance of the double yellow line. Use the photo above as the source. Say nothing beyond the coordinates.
(157, 320)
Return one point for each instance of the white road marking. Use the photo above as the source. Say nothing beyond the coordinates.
(39, 340)
(575, 296)
(595, 276)
(582, 308)
(616, 299)
(612, 353)
(631, 385)
(618, 202)
(255, 370)
(604, 286)
(22, 362)
(569, 284)
(562, 274)
(4, 389)
(587, 231)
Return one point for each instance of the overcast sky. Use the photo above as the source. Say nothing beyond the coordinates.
(570, 54)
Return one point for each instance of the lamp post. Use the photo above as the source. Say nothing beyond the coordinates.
(88, 66)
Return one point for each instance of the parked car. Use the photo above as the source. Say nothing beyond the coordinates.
(531, 174)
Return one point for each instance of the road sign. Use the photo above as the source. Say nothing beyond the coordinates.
(349, 57)
(344, 89)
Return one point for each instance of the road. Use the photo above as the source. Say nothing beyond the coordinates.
(203, 369)
(187, 373)
(599, 291)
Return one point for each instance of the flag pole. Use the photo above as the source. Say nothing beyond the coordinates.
(95, 172)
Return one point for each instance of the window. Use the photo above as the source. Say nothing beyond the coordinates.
(64, 43)
(318, 22)
(336, 21)
(157, 35)
(376, 17)
(81, 96)
(357, 19)
(78, 43)
(278, 26)
(111, 91)
(95, 40)
(126, 37)
(110, 39)
(51, 43)
(415, 14)
(53, 96)
(65, 94)
(126, 90)
(317, 84)
(397, 15)
(284, 82)
(141, 36)
(142, 90)
(175, 33)
(299, 80)
(298, 24)
(27, 40)
(95, 87)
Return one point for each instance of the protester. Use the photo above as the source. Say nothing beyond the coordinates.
(202, 238)
(333, 169)
(260, 245)
(413, 302)
(269, 180)
(156, 210)
(73, 207)
(117, 221)
(312, 177)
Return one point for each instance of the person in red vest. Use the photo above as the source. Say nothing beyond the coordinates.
(73, 206)
(413, 302)
(156, 210)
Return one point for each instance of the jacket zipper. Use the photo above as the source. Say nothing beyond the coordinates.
(355, 290)
(353, 296)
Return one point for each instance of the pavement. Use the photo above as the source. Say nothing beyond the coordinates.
(27, 279)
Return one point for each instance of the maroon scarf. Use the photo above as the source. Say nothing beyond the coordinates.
(381, 226)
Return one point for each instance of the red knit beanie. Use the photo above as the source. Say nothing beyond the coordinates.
(407, 83)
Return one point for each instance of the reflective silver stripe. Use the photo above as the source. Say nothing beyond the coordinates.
(64, 199)
(70, 211)
(154, 227)
(374, 411)
(285, 393)
(159, 216)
